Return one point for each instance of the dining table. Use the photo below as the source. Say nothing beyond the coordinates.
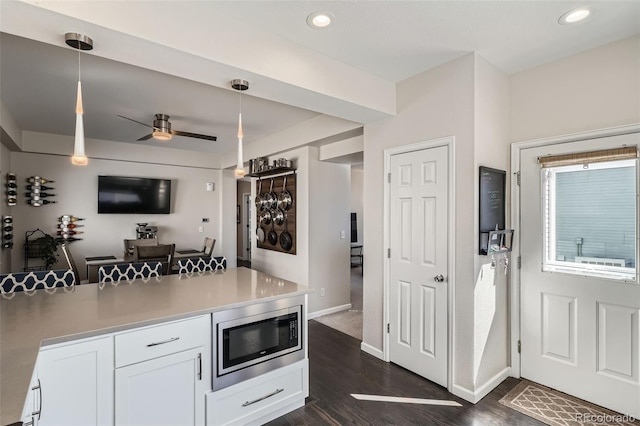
(95, 262)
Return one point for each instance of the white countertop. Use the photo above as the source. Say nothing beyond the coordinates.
(28, 321)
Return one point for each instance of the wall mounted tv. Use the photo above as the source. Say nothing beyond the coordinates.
(121, 194)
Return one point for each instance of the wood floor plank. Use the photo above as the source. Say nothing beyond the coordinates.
(338, 368)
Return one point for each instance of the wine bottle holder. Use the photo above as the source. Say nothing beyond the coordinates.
(36, 195)
(7, 232)
(68, 229)
(12, 189)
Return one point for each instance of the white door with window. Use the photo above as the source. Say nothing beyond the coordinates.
(580, 297)
(418, 264)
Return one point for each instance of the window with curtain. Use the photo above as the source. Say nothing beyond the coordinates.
(590, 213)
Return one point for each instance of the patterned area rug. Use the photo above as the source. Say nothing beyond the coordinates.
(558, 409)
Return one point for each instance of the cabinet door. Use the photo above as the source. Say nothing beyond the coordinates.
(163, 391)
(76, 384)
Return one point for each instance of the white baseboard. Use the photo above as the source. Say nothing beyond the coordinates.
(371, 350)
(333, 310)
(482, 391)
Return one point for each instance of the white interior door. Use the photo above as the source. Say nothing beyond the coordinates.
(418, 262)
(580, 323)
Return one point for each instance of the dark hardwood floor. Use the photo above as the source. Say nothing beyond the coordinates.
(339, 368)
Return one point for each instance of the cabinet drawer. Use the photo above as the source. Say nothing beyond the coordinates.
(260, 399)
(164, 339)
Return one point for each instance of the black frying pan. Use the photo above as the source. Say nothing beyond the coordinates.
(272, 236)
(286, 242)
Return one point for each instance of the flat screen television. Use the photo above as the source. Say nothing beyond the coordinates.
(122, 194)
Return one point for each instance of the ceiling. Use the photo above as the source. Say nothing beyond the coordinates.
(177, 58)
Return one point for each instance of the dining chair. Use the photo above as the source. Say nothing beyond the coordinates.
(71, 262)
(129, 271)
(161, 253)
(209, 244)
(36, 280)
(201, 264)
(130, 244)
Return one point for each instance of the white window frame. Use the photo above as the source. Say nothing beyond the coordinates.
(550, 263)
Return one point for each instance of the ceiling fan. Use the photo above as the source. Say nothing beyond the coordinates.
(162, 129)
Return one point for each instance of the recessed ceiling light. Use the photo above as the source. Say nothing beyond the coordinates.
(575, 15)
(319, 20)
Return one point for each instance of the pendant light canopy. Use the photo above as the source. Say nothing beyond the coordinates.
(240, 85)
(79, 42)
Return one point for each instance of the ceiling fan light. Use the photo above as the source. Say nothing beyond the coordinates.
(160, 135)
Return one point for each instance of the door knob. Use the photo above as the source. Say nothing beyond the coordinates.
(438, 278)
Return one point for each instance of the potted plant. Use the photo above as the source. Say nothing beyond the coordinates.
(48, 249)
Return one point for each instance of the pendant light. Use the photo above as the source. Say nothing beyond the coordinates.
(240, 85)
(80, 42)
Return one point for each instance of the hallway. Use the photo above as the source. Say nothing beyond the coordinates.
(349, 321)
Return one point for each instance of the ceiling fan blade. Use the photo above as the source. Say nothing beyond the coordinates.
(146, 137)
(193, 135)
(135, 121)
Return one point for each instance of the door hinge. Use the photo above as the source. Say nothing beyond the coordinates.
(388, 328)
(519, 262)
(519, 346)
(388, 253)
(518, 178)
(388, 177)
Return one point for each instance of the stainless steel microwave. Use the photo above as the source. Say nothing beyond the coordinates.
(252, 340)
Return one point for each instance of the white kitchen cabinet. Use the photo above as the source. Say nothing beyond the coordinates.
(261, 399)
(164, 391)
(75, 384)
(162, 373)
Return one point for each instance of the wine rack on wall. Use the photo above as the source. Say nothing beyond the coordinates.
(37, 194)
(7, 232)
(12, 189)
(69, 229)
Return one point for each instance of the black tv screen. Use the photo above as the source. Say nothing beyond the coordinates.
(121, 194)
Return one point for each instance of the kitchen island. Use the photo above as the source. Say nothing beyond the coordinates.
(29, 322)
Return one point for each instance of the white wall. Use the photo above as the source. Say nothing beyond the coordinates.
(432, 105)
(596, 89)
(76, 194)
(329, 221)
(322, 211)
(284, 265)
(5, 167)
(491, 303)
(357, 175)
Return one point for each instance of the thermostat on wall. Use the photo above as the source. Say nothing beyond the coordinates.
(209, 186)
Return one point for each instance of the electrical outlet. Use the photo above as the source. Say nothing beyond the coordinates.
(322, 292)
(342, 234)
(205, 220)
(201, 229)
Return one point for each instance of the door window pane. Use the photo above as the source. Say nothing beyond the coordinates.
(590, 219)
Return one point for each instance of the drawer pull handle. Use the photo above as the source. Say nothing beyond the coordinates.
(248, 403)
(173, 339)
